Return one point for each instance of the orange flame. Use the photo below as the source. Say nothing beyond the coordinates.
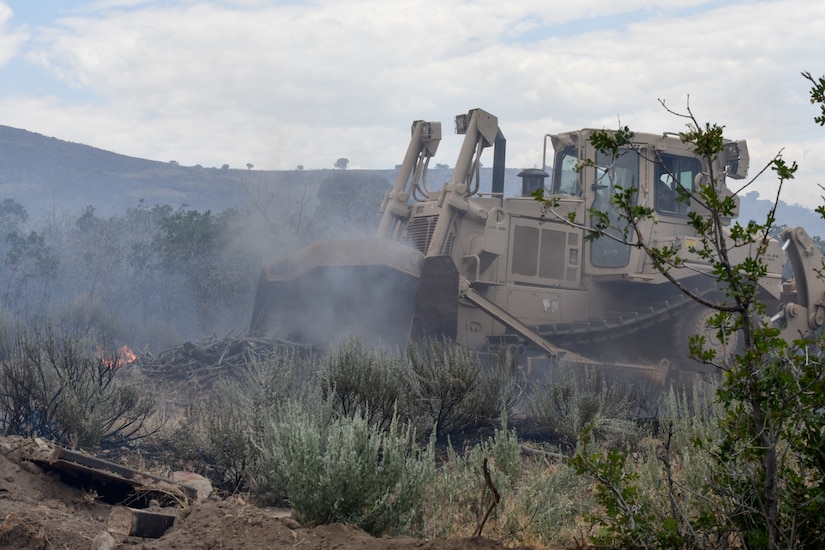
(124, 356)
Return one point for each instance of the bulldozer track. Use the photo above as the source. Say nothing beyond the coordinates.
(610, 328)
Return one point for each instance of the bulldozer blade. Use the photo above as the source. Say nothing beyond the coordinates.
(436, 302)
(333, 290)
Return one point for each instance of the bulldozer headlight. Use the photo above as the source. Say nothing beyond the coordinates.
(461, 123)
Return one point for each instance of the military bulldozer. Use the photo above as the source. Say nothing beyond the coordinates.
(483, 269)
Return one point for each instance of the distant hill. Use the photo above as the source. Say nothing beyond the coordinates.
(752, 207)
(44, 173)
(47, 175)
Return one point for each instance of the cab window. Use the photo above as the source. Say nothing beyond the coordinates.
(565, 176)
(674, 182)
(613, 175)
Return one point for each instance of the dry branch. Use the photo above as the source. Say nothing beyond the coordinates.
(213, 359)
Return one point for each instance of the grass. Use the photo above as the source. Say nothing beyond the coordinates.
(351, 437)
(337, 449)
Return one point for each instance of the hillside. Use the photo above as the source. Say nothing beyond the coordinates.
(47, 174)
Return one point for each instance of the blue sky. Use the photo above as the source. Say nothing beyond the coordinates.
(283, 83)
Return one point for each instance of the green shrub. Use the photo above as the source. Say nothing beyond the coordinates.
(454, 391)
(539, 502)
(217, 438)
(343, 469)
(61, 388)
(665, 493)
(270, 382)
(577, 397)
(371, 381)
(549, 503)
(462, 495)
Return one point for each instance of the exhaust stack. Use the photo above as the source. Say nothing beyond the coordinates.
(499, 154)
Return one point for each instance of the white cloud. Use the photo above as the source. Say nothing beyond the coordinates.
(304, 83)
(11, 39)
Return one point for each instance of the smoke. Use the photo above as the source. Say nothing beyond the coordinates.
(152, 277)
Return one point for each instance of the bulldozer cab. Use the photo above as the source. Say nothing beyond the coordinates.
(661, 170)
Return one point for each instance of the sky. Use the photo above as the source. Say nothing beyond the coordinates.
(282, 83)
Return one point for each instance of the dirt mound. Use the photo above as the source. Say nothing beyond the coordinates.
(231, 523)
(39, 510)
